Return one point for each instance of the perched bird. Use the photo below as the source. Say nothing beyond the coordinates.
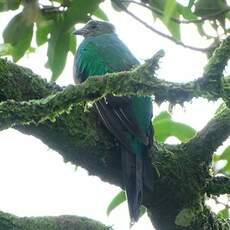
(127, 118)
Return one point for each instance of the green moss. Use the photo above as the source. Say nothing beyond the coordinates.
(9, 222)
(185, 217)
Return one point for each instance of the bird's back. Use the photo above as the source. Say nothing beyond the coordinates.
(102, 54)
(98, 55)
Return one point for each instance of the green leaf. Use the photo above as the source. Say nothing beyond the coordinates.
(158, 4)
(99, 13)
(226, 156)
(5, 49)
(186, 12)
(116, 201)
(58, 47)
(44, 27)
(169, 8)
(162, 116)
(73, 44)
(165, 127)
(80, 11)
(209, 7)
(18, 33)
(2, 5)
(191, 3)
(13, 4)
(60, 37)
(6, 5)
(142, 211)
(172, 26)
(224, 214)
(206, 8)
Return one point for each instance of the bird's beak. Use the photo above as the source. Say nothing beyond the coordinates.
(81, 31)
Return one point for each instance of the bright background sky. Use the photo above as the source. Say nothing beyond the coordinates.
(34, 179)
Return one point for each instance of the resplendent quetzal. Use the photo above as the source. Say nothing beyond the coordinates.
(127, 118)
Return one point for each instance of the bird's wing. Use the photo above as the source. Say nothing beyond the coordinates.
(88, 62)
(100, 55)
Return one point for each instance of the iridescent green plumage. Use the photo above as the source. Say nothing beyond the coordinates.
(127, 118)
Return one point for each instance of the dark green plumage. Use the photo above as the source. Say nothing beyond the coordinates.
(127, 118)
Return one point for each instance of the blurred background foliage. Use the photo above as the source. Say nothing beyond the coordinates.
(53, 21)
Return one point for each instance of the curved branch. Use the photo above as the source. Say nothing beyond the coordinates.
(205, 50)
(205, 143)
(218, 185)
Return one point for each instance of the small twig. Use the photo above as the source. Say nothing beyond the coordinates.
(163, 34)
(195, 21)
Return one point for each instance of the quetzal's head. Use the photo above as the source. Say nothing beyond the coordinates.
(95, 28)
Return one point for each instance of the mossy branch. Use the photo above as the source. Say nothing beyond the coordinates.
(37, 110)
(139, 81)
(9, 222)
(205, 143)
(218, 185)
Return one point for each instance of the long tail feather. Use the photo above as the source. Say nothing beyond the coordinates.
(132, 168)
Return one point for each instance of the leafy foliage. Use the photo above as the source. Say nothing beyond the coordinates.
(53, 23)
(165, 127)
(18, 33)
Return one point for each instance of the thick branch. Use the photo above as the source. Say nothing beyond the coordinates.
(139, 81)
(35, 111)
(9, 222)
(218, 185)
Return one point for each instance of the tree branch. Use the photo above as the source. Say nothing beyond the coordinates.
(9, 222)
(205, 143)
(178, 42)
(139, 81)
(35, 111)
(218, 185)
(194, 21)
